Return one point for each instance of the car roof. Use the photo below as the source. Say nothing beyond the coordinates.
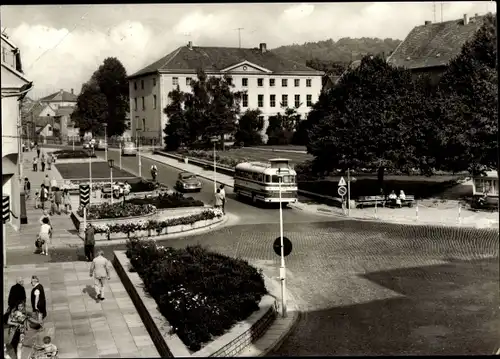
(186, 174)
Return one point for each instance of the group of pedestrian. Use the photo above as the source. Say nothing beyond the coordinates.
(50, 192)
(19, 321)
(220, 198)
(44, 160)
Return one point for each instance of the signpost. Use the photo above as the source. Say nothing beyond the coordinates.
(84, 201)
(287, 246)
(342, 191)
(5, 219)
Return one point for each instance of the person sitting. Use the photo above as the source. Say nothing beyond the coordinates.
(402, 195)
(392, 198)
(45, 350)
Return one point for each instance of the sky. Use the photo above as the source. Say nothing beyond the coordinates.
(62, 45)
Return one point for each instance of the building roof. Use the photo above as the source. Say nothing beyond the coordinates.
(60, 96)
(64, 110)
(433, 45)
(43, 122)
(191, 58)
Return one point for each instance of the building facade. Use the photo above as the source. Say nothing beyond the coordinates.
(429, 48)
(270, 83)
(14, 86)
(61, 98)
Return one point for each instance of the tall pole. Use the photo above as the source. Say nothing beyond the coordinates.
(348, 192)
(84, 219)
(73, 137)
(215, 172)
(4, 245)
(105, 143)
(282, 268)
(111, 180)
(90, 176)
(239, 36)
(120, 155)
(139, 153)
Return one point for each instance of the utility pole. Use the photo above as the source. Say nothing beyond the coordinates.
(239, 36)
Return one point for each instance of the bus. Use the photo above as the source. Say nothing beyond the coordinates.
(260, 181)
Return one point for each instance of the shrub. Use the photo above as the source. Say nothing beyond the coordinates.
(202, 294)
(72, 154)
(116, 210)
(144, 186)
(175, 200)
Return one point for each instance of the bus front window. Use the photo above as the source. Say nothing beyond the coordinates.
(285, 179)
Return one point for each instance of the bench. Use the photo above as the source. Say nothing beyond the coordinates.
(407, 202)
(365, 201)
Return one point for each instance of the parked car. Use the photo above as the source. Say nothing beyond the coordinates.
(129, 149)
(101, 145)
(188, 181)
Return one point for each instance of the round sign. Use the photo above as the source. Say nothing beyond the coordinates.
(342, 191)
(287, 244)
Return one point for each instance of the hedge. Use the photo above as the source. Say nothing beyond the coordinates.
(202, 294)
(61, 154)
(116, 210)
(165, 200)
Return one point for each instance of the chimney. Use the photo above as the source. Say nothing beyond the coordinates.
(190, 45)
(466, 19)
(72, 92)
(428, 22)
(263, 47)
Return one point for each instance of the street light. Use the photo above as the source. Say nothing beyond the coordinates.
(214, 140)
(282, 267)
(111, 163)
(105, 125)
(139, 155)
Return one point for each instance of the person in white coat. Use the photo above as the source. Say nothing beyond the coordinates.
(100, 269)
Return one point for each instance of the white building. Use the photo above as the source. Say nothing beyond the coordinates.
(268, 80)
(14, 85)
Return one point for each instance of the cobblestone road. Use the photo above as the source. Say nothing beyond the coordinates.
(369, 288)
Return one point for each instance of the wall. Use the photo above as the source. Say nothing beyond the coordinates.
(151, 115)
(48, 111)
(58, 104)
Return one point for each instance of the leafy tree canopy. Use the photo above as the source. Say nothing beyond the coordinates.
(177, 130)
(249, 130)
(282, 126)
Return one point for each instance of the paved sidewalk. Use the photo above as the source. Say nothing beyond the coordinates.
(80, 327)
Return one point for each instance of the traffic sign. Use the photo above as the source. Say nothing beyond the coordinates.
(287, 244)
(342, 191)
(84, 195)
(342, 182)
(5, 208)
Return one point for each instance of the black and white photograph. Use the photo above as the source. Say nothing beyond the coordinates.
(250, 179)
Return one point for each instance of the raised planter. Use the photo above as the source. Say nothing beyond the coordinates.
(169, 345)
(162, 214)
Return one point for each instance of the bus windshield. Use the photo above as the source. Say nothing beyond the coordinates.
(285, 179)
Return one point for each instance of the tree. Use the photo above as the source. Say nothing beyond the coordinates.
(111, 78)
(361, 122)
(91, 109)
(249, 130)
(300, 136)
(176, 131)
(468, 102)
(282, 126)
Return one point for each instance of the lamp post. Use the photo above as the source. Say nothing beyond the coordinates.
(214, 140)
(105, 125)
(111, 164)
(139, 156)
(90, 175)
(282, 267)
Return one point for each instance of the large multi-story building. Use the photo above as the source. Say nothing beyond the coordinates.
(271, 83)
(14, 85)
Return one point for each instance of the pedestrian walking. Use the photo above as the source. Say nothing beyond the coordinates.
(37, 200)
(43, 240)
(38, 301)
(89, 243)
(53, 184)
(46, 182)
(42, 162)
(100, 270)
(218, 199)
(35, 164)
(223, 193)
(44, 196)
(66, 201)
(38, 150)
(58, 199)
(49, 161)
(27, 187)
(17, 294)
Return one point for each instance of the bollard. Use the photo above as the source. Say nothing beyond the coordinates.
(375, 207)
(459, 213)
(416, 210)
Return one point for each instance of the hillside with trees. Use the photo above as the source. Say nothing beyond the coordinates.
(322, 55)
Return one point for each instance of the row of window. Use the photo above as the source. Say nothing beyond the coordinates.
(272, 101)
(260, 177)
(144, 103)
(244, 82)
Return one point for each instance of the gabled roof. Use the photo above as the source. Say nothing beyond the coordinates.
(43, 122)
(60, 96)
(434, 45)
(191, 58)
(64, 110)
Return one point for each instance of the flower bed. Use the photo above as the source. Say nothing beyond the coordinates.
(116, 210)
(165, 200)
(220, 292)
(145, 186)
(63, 154)
(152, 227)
(208, 156)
